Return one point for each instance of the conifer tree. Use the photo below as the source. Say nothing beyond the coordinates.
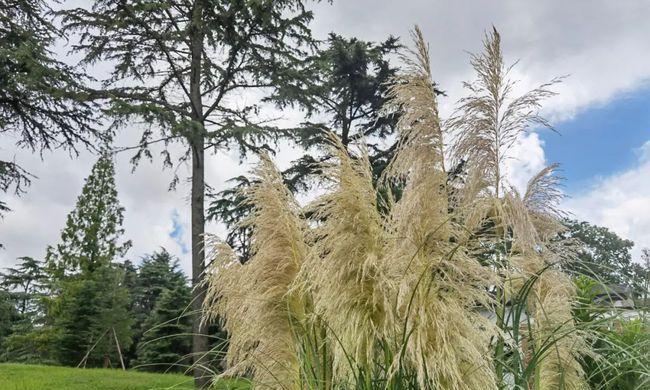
(346, 96)
(8, 315)
(90, 302)
(165, 345)
(26, 284)
(182, 66)
(42, 103)
(158, 273)
(90, 312)
(91, 237)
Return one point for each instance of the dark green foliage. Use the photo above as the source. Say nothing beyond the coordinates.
(603, 255)
(350, 89)
(30, 344)
(26, 283)
(89, 302)
(242, 46)
(42, 102)
(8, 315)
(91, 237)
(181, 67)
(165, 345)
(89, 307)
(347, 91)
(24, 288)
(230, 207)
(158, 273)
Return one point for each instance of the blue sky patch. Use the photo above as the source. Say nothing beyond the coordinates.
(177, 232)
(601, 140)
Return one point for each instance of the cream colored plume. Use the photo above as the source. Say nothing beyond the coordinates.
(252, 299)
(345, 272)
(438, 285)
(490, 120)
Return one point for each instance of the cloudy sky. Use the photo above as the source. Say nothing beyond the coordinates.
(602, 113)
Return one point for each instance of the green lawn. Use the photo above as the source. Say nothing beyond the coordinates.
(32, 377)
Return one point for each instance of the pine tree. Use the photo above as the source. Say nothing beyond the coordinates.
(157, 273)
(92, 310)
(26, 284)
(89, 307)
(165, 345)
(8, 316)
(181, 67)
(91, 237)
(24, 288)
(351, 89)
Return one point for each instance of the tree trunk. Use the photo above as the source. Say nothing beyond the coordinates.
(199, 330)
(197, 142)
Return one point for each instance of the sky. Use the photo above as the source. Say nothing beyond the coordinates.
(601, 116)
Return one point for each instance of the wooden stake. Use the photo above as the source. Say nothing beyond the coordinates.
(91, 349)
(119, 351)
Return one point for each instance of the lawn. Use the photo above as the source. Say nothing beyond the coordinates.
(33, 377)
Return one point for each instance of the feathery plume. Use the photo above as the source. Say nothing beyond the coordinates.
(489, 121)
(345, 272)
(253, 300)
(438, 285)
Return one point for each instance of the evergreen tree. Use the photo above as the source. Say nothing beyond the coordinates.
(350, 78)
(181, 66)
(157, 273)
(89, 308)
(92, 309)
(42, 103)
(91, 237)
(165, 344)
(8, 315)
(27, 284)
(24, 287)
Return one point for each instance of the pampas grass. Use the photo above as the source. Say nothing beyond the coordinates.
(346, 272)
(253, 300)
(358, 298)
(438, 284)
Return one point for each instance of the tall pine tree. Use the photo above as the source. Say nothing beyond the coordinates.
(89, 307)
(182, 66)
(91, 237)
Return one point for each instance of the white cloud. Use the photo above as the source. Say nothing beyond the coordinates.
(620, 202)
(526, 160)
(601, 44)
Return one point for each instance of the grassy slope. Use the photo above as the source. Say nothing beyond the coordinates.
(31, 377)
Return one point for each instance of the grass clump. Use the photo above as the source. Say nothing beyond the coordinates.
(360, 291)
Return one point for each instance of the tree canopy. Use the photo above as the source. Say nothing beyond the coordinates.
(42, 100)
